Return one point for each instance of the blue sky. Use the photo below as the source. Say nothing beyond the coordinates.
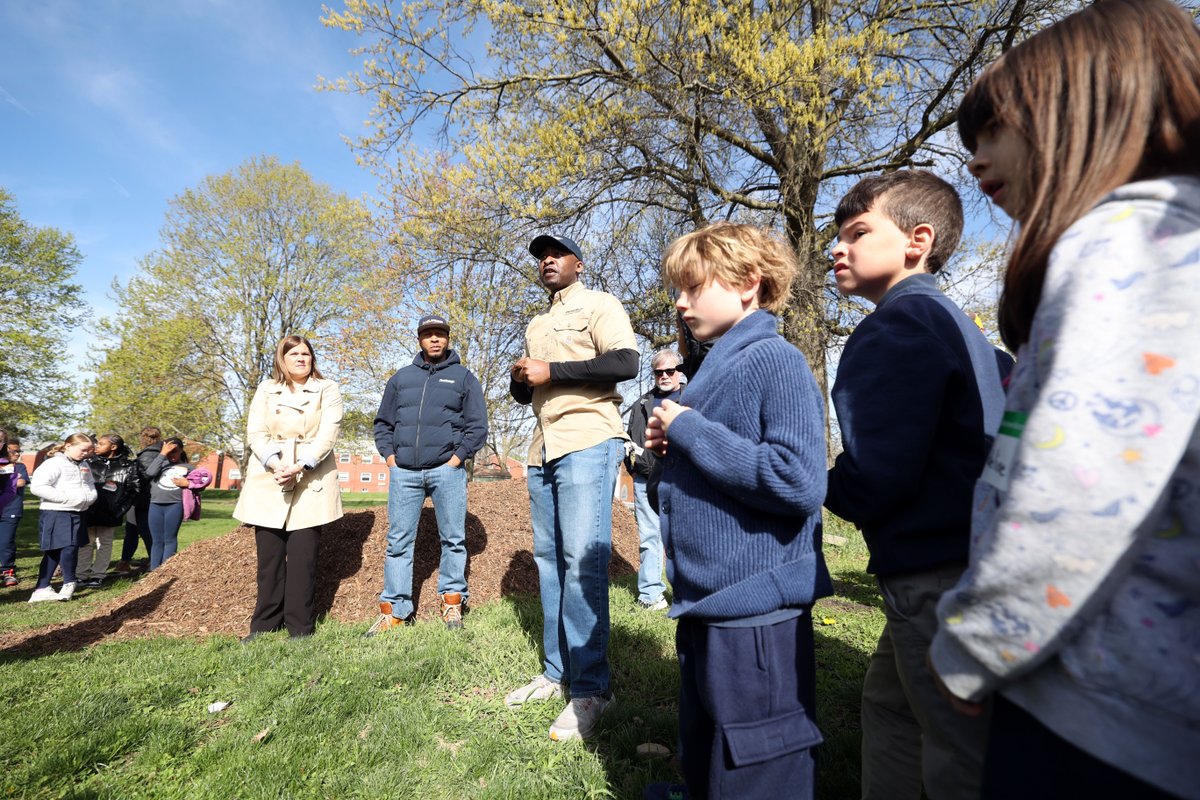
(108, 109)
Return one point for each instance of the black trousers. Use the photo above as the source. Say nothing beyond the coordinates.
(134, 531)
(1026, 759)
(746, 703)
(287, 580)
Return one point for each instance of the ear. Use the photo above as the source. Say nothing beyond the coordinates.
(920, 242)
(749, 291)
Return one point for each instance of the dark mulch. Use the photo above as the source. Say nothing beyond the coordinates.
(209, 587)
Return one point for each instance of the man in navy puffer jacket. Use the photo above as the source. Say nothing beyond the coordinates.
(431, 420)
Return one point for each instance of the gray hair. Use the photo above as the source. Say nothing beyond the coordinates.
(662, 355)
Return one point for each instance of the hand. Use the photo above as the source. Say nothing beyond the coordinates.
(455, 461)
(391, 461)
(21, 483)
(964, 707)
(180, 482)
(168, 448)
(284, 475)
(656, 441)
(667, 412)
(533, 371)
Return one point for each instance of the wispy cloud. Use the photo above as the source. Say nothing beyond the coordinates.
(12, 101)
(121, 190)
(124, 94)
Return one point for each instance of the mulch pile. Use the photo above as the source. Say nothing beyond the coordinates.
(210, 587)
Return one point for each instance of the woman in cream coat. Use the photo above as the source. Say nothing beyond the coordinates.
(291, 487)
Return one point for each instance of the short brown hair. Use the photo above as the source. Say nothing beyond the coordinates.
(909, 198)
(734, 254)
(287, 343)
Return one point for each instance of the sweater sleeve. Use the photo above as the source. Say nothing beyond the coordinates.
(520, 392)
(784, 470)
(888, 398)
(1106, 428)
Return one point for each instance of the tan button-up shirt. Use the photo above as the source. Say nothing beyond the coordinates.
(579, 325)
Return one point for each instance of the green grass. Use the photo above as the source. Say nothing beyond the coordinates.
(416, 713)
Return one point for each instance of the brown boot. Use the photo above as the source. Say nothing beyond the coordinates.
(452, 609)
(387, 621)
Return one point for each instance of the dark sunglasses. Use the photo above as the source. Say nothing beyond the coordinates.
(658, 372)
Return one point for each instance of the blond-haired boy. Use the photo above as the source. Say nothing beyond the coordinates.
(740, 506)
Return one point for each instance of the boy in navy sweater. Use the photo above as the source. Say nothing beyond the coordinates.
(740, 508)
(918, 398)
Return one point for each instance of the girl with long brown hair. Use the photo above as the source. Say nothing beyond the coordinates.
(1080, 610)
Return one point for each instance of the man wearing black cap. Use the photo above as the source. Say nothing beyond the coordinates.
(575, 354)
(431, 420)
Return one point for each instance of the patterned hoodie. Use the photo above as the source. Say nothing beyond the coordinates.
(1082, 600)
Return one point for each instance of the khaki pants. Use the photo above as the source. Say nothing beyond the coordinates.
(95, 555)
(911, 735)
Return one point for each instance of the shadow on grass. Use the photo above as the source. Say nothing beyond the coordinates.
(840, 672)
(644, 677)
(78, 635)
(857, 585)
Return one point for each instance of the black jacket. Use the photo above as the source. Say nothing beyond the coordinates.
(118, 481)
(430, 412)
(642, 464)
(145, 458)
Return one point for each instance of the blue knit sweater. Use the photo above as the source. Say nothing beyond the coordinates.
(744, 479)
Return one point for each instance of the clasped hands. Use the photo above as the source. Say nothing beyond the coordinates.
(659, 423)
(285, 473)
(531, 371)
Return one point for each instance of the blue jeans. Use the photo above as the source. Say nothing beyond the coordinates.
(650, 549)
(570, 502)
(165, 519)
(407, 489)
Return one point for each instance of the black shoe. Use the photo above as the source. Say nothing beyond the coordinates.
(251, 636)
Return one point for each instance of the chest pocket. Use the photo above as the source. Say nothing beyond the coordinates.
(573, 340)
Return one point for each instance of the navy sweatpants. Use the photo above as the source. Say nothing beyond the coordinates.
(747, 703)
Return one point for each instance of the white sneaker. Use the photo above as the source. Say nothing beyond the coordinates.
(45, 593)
(660, 604)
(67, 591)
(540, 688)
(579, 718)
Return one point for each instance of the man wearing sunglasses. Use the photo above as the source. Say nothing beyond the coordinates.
(639, 463)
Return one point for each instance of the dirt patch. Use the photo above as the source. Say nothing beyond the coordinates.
(210, 587)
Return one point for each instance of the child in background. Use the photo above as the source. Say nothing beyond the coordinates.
(64, 482)
(740, 507)
(1080, 611)
(13, 480)
(168, 474)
